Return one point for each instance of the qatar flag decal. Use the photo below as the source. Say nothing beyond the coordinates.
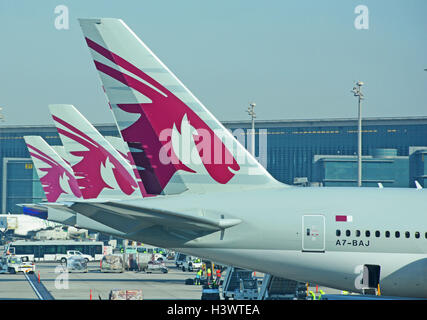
(343, 218)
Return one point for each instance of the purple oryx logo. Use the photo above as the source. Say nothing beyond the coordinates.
(56, 178)
(96, 165)
(165, 111)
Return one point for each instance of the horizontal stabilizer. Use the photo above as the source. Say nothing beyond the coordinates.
(134, 219)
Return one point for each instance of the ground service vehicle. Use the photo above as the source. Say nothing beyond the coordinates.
(179, 259)
(275, 288)
(156, 266)
(73, 253)
(239, 284)
(50, 250)
(191, 264)
(13, 264)
(210, 293)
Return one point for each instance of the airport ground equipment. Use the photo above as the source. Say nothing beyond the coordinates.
(210, 292)
(72, 253)
(144, 259)
(141, 261)
(179, 259)
(131, 261)
(156, 266)
(191, 264)
(76, 264)
(54, 250)
(275, 288)
(136, 261)
(239, 284)
(112, 263)
(170, 255)
(13, 264)
(154, 253)
(121, 294)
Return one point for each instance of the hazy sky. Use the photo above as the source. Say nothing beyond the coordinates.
(296, 59)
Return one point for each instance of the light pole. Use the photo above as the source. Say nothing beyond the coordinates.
(357, 91)
(251, 112)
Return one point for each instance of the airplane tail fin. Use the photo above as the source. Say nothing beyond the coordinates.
(99, 168)
(55, 174)
(182, 145)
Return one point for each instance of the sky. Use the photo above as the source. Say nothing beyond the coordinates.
(295, 59)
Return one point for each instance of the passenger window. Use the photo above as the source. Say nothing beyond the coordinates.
(397, 234)
(407, 234)
(347, 233)
(387, 234)
(417, 235)
(377, 234)
(367, 233)
(357, 233)
(339, 233)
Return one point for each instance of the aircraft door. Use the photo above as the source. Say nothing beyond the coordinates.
(313, 233)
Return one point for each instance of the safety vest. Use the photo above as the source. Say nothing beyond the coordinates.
(209, 272)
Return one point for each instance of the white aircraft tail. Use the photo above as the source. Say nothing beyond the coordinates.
(178, 143)
(99, 168)
(55, 174)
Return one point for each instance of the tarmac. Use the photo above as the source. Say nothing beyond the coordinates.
(96, 285)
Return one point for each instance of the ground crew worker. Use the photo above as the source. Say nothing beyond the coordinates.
(321, 293)
(218, 275)
(209, 274)
(198, 276)
(313, 296)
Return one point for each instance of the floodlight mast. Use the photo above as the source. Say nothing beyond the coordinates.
(251, 112)
(357, 91)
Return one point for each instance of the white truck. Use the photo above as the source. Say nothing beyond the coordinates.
(70, 253)
(179, 259)
(191, 264)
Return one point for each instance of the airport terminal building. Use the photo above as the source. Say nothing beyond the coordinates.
(319, 152)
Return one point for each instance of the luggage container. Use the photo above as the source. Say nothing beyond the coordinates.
(121, 294)
(143, 260)
(112, 263)
(76, 264)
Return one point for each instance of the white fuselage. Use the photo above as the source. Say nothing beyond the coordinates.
(272, 237)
